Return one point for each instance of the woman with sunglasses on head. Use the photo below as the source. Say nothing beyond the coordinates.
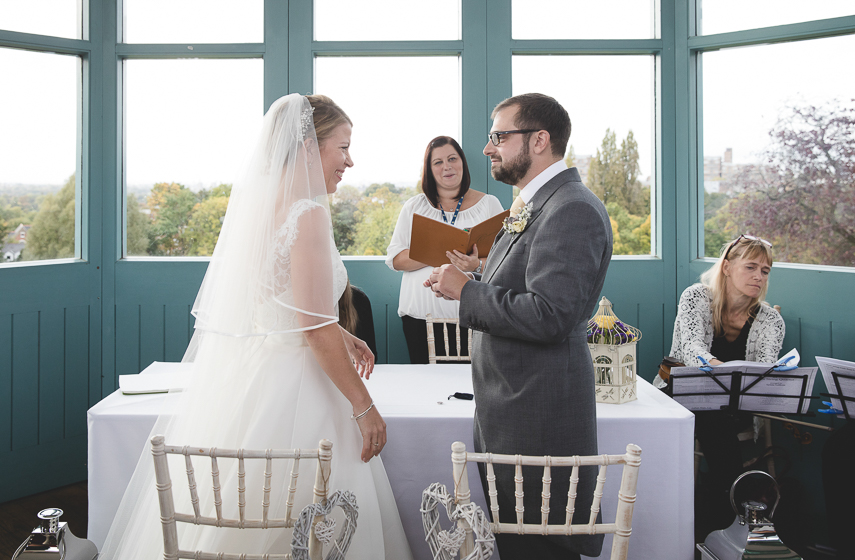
(446, 197)
(724, 318)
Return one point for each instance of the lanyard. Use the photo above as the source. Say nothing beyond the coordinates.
(456, 210)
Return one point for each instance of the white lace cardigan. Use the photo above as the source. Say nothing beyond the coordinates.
(693, 330)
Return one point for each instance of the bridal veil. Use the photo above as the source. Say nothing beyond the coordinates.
(246, 298)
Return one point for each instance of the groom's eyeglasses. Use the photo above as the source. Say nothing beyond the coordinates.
(749, 238)
(496, 137)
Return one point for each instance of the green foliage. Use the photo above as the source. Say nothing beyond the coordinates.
(631, 233)
(184, 223)
(344, 208)
(802, 196)
(605, 173)
(52, 234)
(719, 227)
(613, 177)
(171, 205)
(17, 209)
(138, 228)
(203, 228)
(377, 213)
(570, 158)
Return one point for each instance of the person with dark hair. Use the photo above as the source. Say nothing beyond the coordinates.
(355, 315)
(445, 197)
(531, 368)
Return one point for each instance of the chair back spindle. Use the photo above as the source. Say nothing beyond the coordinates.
(170, 517)
(572, 493)
(519, 495)
(621, 528)
(546, 494)
(460, 356)
(461, 492)
(322, 478)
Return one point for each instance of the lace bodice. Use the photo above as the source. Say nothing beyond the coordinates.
(286, 319)
(693, 330)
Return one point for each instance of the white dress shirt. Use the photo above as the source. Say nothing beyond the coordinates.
(527, 192)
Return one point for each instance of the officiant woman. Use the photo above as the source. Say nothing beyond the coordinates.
(445, 197)
(724, 318)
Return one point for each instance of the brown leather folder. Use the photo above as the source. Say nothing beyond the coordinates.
(430, 239)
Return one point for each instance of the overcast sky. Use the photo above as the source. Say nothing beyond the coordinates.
(189, 120)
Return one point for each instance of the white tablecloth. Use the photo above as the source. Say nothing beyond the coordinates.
(422, 424)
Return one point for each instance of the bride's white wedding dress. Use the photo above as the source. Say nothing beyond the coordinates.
(294, 405)
(256, 382)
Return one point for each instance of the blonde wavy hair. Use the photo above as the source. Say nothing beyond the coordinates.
(327, 116)
(716, 281)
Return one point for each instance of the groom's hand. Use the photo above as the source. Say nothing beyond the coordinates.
(447, 281)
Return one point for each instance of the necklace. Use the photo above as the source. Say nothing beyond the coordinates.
(456, 210)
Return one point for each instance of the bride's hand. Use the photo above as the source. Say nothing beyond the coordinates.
(360, 353)
(373, 430)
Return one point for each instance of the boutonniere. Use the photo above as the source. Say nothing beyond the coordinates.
(516, 224)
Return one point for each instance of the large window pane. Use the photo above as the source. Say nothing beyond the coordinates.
(387, 20)
(391, 129)
(59, 18)
(39, 150)
(188, 124)
(584, 19)
(611, 107)
(722, 16)
(779, 149)
(194, 21)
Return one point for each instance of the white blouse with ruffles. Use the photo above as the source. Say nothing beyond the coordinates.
(416, 300)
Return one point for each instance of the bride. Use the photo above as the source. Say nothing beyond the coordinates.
(272, 368)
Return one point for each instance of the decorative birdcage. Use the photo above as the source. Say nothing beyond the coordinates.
(612, 344)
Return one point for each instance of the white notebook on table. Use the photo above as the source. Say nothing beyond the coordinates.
(159, 377)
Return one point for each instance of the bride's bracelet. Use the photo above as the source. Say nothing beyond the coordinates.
(364, 412)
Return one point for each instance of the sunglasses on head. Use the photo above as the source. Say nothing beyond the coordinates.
(749, 238)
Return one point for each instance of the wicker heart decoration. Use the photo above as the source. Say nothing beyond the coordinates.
(325, 528)
(445, 544)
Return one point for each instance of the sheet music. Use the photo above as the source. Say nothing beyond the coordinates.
(847, 386)
(785, 387)
(777, 383)
(699, 384)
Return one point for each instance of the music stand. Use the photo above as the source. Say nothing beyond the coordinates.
(741, 398)
(844, 399)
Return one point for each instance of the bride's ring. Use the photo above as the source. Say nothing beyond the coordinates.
(376, 444)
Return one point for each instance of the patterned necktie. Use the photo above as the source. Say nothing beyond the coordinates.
(517, 206)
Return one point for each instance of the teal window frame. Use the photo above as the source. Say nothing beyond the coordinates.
(697, 45)
(72, 326)
(81, 48)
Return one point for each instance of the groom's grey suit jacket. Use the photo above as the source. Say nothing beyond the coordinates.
(531, 367)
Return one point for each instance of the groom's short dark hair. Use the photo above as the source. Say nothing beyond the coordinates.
(541, 112)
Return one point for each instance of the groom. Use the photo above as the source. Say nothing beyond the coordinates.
(531, 368)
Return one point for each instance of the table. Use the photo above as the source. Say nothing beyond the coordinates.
(422, 424)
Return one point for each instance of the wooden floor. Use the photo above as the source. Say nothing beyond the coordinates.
(18, 517)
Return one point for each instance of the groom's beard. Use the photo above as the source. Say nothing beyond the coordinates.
(512, 171)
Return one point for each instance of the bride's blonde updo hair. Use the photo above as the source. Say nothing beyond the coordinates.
(716, 281)
(327, 116)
